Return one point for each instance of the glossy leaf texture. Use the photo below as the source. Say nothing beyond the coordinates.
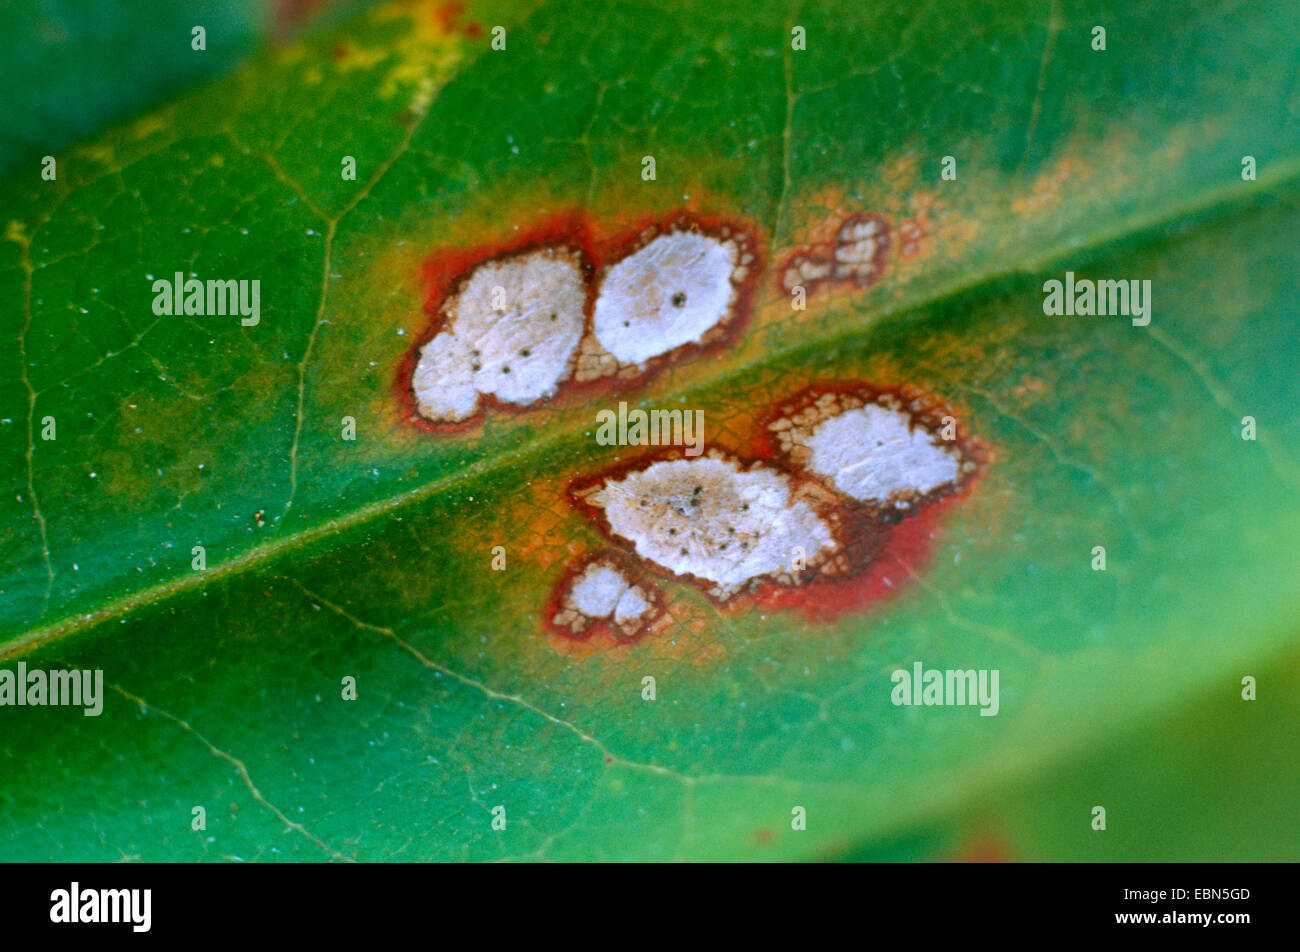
(68, 69)
(372, 559)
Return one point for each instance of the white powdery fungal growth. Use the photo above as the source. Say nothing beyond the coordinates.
(711, 518)
(671, 292)
(874, 454)
(602, 592)
(510, 332)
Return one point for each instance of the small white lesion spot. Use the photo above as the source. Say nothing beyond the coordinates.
(518, 354)
(877, 449)
(681, 287)
(718, 520)
(603, 592)
(860, 248)
(805, 270)
(857, 254)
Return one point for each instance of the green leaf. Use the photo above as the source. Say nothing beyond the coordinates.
(67, 69)
(371, 559)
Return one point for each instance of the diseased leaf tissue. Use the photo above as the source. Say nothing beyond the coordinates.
(848, 461)
(589, 431)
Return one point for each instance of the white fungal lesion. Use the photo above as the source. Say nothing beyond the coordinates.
(516, 328)
(602, 591)
(680, 287)
(876, 448)
(723, 522)
(510, 331)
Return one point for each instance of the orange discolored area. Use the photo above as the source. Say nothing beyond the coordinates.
(915, 236)
(1047, 189)
(985, 848)
(447, 16)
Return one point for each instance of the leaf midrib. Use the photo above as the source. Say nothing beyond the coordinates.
(1278, 177)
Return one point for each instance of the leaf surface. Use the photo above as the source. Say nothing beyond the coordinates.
(372, 559)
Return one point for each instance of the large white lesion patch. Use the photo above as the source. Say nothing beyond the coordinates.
(874, 449)
(681, 287)
(720, 521)
(510, 331)
(603, 592)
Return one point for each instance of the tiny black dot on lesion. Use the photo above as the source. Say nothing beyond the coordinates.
(505, 369)
(525, 352)
(553, 316)
(679, 299)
